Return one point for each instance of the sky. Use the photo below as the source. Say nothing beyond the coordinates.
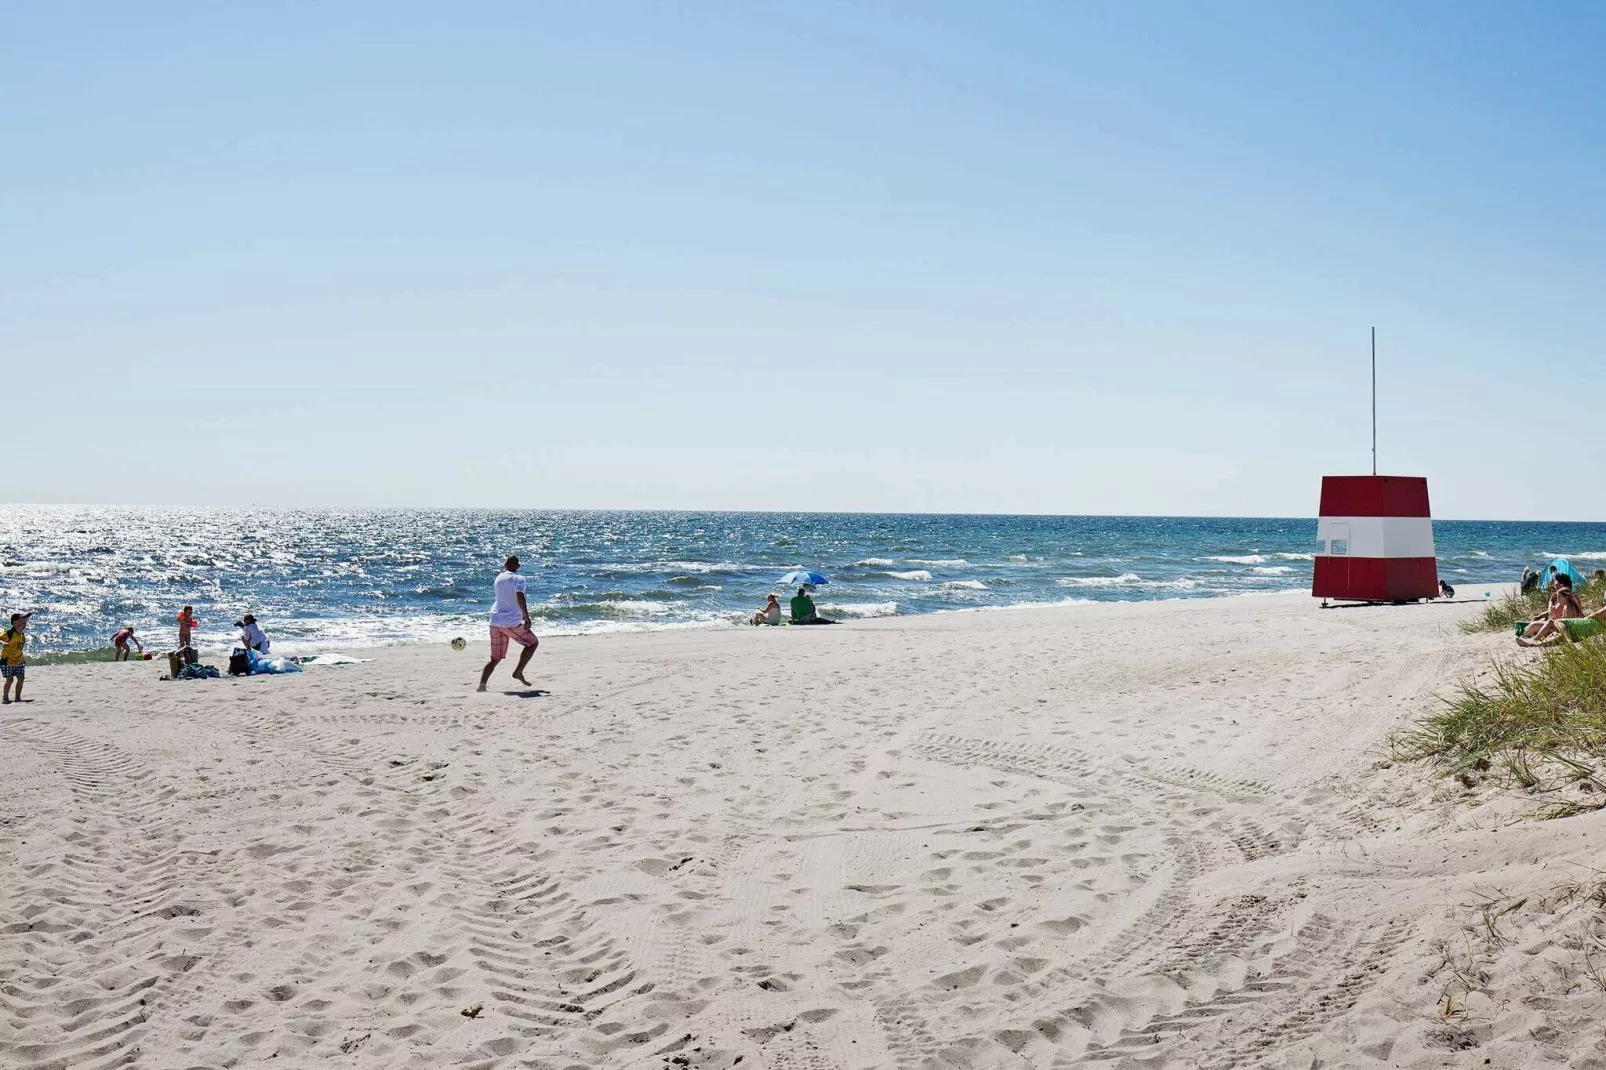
(1037, 257)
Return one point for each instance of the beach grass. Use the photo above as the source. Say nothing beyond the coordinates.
(1539, 725)
(1502, 614)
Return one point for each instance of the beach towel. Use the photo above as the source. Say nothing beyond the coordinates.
(269, 666)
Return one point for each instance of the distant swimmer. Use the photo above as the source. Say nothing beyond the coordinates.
(120, 643)
(510, 621)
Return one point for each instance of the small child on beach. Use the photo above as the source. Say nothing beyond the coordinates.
(12, 668)
(120, 642)
(186, 621)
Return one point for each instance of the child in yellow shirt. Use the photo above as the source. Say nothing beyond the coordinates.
(12, 668)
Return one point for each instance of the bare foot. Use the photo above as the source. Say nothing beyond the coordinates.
(480, 688)
(522, 680)
(1523, 642)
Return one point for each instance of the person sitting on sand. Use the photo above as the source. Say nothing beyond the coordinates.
(1445, 590)
(252, 636)
(12, 666)
(120, 643)
(1564, 605)
(1567, 629)
(770, 614)
(803, 611)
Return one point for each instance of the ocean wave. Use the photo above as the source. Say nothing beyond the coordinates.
(1099, 581)
(859, 609)
(617, 607)
(874, 562)
(1295, 557)
(968, 585)
(918, 575)
(951, 562)
(1241, 559)
(1272, 570)
(1590, 555)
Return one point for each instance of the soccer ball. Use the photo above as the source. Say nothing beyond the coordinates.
(459, 643)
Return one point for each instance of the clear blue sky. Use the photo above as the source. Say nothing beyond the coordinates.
(1037, 257)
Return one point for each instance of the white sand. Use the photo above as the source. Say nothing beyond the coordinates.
(1129, 835)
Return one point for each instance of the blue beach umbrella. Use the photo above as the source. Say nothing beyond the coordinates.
(803, 578)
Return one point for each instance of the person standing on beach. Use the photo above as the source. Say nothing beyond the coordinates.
(510, 620)
(12, 667)
(186, 621)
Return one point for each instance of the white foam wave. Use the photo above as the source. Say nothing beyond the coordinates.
(1295, 557)
(1272, 570)
(918, 575)
(859, 609)
(636, 607)
(1099, 581)
(1592, 555)
(1241, 559)
(952, 562)
(875, 562)
(968, 585)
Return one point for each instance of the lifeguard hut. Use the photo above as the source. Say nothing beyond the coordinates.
(1374, 534)
(1374, 540)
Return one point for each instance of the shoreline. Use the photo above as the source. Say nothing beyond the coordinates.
(306, 648)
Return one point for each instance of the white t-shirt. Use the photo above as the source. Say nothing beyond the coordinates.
(506, 613)
(252, 633)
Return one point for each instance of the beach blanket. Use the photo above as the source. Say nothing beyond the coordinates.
(334, 659)
(270, 666)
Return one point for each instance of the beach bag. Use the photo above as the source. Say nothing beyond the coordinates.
(239, 663)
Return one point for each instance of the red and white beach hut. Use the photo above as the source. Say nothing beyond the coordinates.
(1374, 540)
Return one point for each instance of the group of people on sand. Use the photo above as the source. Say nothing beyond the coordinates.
(14, 640)
(803, 611)
(509, 624)
(1565, 620)
(252, 637)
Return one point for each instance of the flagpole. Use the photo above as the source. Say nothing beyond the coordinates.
(1374, 401)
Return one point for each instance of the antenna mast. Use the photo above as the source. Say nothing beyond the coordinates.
(1374, 401)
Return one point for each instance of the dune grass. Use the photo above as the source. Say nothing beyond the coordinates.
(1502, 614)
(1538, 725)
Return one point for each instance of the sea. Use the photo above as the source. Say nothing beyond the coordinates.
(329, 579)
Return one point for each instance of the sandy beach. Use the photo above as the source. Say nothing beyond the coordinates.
(1125, 835)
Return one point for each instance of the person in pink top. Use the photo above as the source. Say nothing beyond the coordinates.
(510, 620)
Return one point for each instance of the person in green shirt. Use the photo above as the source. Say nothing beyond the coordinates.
(803, 611)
